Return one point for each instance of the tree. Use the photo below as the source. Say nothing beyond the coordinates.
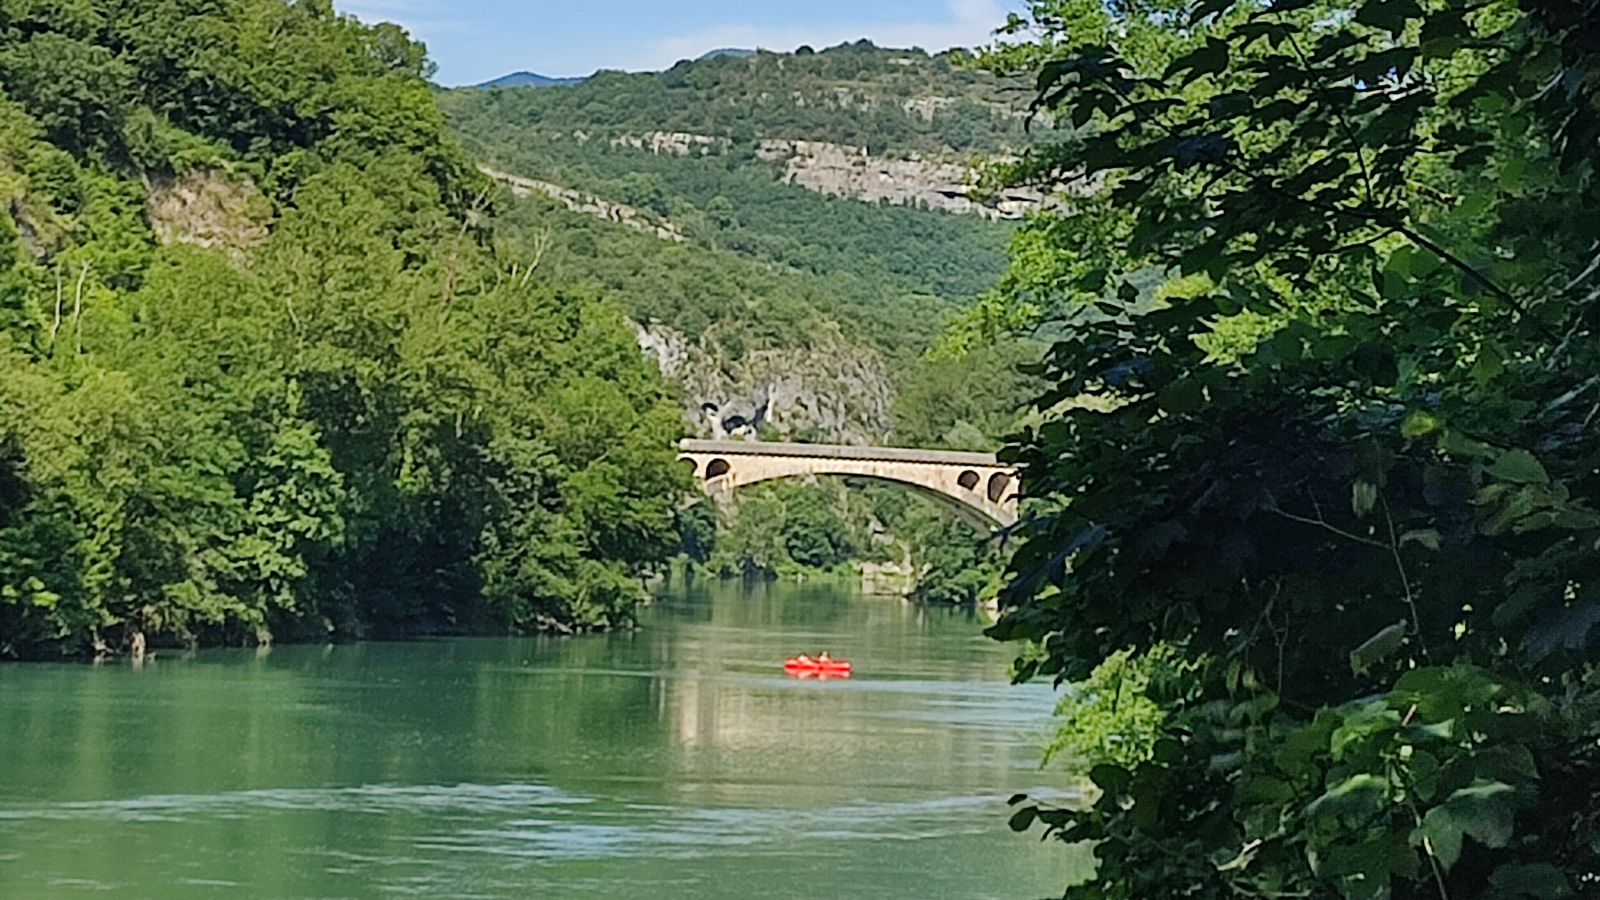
(1322, 418)
(366, 418)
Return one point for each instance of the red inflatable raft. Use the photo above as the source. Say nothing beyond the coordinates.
(805, 666)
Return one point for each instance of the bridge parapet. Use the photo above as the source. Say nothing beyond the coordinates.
(981, 488)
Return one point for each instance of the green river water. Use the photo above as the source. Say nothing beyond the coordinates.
(673, 762)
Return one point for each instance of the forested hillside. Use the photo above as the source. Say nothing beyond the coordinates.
(694, 147)
(264, 367)
(796, 252)
(875, 97)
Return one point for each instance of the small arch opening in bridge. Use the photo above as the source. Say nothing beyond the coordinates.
(968, 479)
(998, 482)
(717, 467)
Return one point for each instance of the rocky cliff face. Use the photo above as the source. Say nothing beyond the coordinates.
(589, 204)
(846, 171)
(209, 209)
(676, 143)
(908, 179)
(831, 392)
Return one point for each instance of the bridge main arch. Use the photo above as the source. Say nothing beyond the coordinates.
(975, 484)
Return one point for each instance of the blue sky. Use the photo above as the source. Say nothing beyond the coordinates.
(476, 40)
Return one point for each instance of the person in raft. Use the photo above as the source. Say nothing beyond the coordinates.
(822, 659)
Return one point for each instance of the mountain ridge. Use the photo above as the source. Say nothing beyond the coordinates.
(531, 79)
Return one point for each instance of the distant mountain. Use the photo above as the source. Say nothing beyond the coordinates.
(727, 51)
(530, 79)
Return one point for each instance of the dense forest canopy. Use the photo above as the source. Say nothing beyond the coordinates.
(857, 94)
(266, 369)
(1323, 500)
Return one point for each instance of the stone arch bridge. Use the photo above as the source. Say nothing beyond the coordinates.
(975, 485)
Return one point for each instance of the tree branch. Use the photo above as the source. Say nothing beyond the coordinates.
(1330, 528)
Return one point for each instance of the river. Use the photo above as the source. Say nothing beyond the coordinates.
(676, 761)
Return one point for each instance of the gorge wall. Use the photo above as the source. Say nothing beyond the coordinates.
(831, 391)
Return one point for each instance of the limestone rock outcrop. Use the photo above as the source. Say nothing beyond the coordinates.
(209, 209)
(912, 180)
(589, 204)
(832, 391)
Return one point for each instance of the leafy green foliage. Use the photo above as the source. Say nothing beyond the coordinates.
(790, 528)
(1115, 716)
(360, 422)
(1402, 198)
(966, 401)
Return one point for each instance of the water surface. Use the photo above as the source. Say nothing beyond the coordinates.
(672, 762)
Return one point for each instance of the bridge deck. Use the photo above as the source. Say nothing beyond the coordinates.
(839, 451)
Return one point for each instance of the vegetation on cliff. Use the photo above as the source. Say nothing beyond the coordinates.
(264, 366)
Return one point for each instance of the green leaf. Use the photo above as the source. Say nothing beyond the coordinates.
(1378, 647)
(1333, 346)
(1363, 720)
(1111, 779)
(1297, 757)
(1424, 773)
(1489, 365)
(1167, 751)
(1519, 466)
(1367, 866)
(1263, 789)
(1457, 444)
(1508, 763)
(1390, 15)
(1399, 262)
(1359, 795)
(1535, 881)
(1022, 819)
(1442, 693)
(1482, 812)
(1418, 424)
(1512, 172)
(1182, 396)
(1440, 835)
(1474, 204)
(1485, 811)
(1375, 361)
(1427, 537)
(1210, 58)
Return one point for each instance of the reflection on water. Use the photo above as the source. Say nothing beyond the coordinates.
(676, 761)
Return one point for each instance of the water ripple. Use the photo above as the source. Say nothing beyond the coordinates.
(374, 799)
